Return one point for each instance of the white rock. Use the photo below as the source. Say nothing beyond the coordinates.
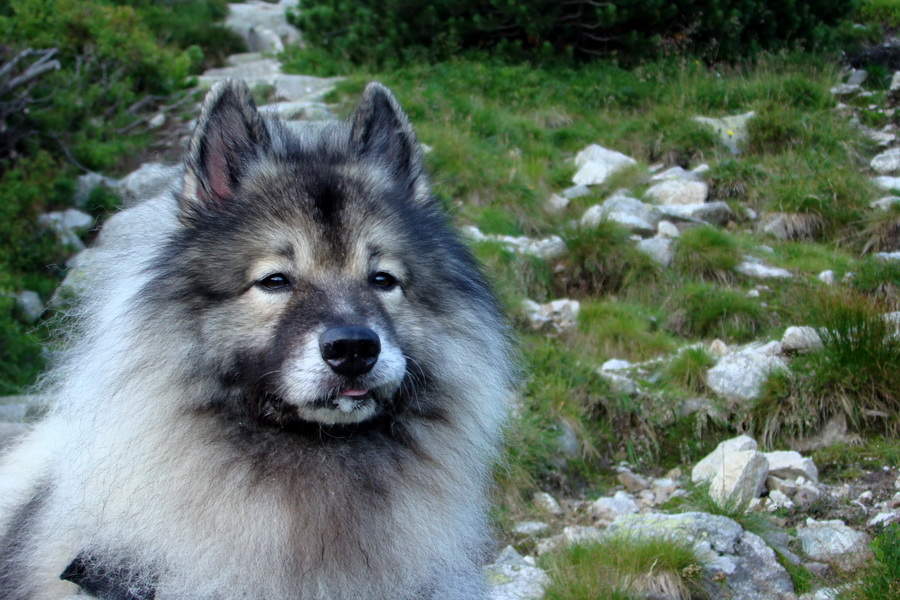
(807, 495)
(887, 202)
(678, 192)
(845, 89)
(148, 181)
(158, 120)
(249, 15)
(800, 339)
(785, 486)
(263, 39)
(732, 130)
(28, 304)
(632, 481)
(301, 110)
(556, 204)
(717, 348)
(597, 163)
(887, 256)
(619, 205)
(714, 213)
(895, 81)
(87, 183)
(663, 489)
(632, 223)
(616, 364)
(659, 249)
(884, 519)
(609, 509)
(886, 162)
(667, 230)
(293, 88)
(561, 314)
(857, 76)
(834, 542)
(740, 479)
(530, 527)
(576, 191)
(738, 376)
(887, 183)
(756, 268)
(788, 464)
(700, 169)
(826, 277)
(544, 502)
(513, 577)
(262, 71)
(677, 173)
(712, 462)
(619, 383)
(778, 499)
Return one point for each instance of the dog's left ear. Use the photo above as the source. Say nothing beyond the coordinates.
(230, 135)
(381, 132)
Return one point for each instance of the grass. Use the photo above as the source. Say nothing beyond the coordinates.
(707, 253)
(710, 311)
(881, 581)
(626, 567)
(701, 500)
(854, 372)
(687, 369)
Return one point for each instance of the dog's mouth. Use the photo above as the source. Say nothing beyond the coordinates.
(350, 404)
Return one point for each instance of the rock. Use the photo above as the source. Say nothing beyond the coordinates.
(834, 543)
(632, 223)
(556, 204)
(572, 535)
(788, 464)
(148, 181)
(678, 192)
(739, 376)
(887, 202)
(846, 89)
(663, 489)
(513, 577)
(679, 174)
(87, 183)
(544, 502)
(622, 208)
(567, 441)
(66, 225)
(834, 432)
(807, 495)
(713, 213)
(158, 120)
(29, 306)
(756, 268)
(800, 339)
(597, 163)
(785, 486)
(884, 519)
(887, 183)
(717, 348)
(560, 314)
(300, 110)
(887, 256)
(882, 138)
(895, 81)
(667, 230)
(732, 131)
(818, 569)
(530, 528)
(826, 277)
(739, 479)
(576, 191)
(659, 249)
(616, 364)
(293, 88)
(857, 76)
(609, 509)
(244, 17)
(709, 465)
(619, 383)
(546, 248)
(886, 162)
(632, 481)
(262, 71)
(263, 39)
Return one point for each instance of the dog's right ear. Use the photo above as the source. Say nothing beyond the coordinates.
(230, 135)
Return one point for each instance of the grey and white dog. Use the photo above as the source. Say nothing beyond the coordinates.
(286, 380)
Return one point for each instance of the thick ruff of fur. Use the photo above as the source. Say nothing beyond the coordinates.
(199, 445)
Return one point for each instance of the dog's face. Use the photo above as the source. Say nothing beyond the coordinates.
(303, 252)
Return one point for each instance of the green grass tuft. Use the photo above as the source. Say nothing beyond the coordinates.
(710, 311)
(707, 253)
(688, 369)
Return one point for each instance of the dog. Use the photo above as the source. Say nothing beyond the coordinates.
(285, 377)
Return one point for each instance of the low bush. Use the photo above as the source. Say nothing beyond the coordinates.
(707, 253)
(711, 311)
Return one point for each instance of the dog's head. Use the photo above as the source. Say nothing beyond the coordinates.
(316, 273)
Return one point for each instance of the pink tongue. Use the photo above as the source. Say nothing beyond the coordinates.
(354, 393)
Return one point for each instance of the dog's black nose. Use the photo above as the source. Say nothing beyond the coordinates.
(350, 351)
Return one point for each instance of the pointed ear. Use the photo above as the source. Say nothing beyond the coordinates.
(229, 136)
(380, 132)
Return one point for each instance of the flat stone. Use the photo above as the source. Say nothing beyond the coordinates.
(678, 192)
(758, 269)
(301, 110)
(846, 89)
(800, 339)
(659, 249)
(732, 130)
(546, 503)
(740, 479)
(887, 256)
(242, 17)
(713, 213)
(739, 376)
(294, 88)
(263, 39)
(609, 509)
(895, 82)
(712, 462)
(530, 527)
(616, 364)
(258, 72)
(514, 577)
(667, 230)
(887, 183)
(632, 481)
(886, 162)
(148, 181)
(556, 204)
(596, 163)
(576, 191)
(886, 203)
(857, 76)
(789, 464)
(834, 543)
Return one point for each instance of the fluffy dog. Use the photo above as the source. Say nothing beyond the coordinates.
(286, 379)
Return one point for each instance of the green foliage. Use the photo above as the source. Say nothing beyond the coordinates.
(701, 500)
(885, 12)
(688, 369)
(732, 178)
(711, 311)
(620, 329)
(369, 32)
(621, 567)
(878, 278)
(708, 253)
(882, 580)
(602, 260)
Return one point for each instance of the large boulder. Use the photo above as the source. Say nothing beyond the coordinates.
(739, 375)
(596, 163)
(835, 543)
(514, 577)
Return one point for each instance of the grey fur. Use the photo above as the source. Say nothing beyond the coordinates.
(198, 437)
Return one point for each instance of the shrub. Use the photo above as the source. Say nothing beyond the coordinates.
(624, 566)
(720, 29)
(708, 253)
(710, 311)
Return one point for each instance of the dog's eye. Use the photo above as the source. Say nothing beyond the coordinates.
(276, 281)
(383, 280)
